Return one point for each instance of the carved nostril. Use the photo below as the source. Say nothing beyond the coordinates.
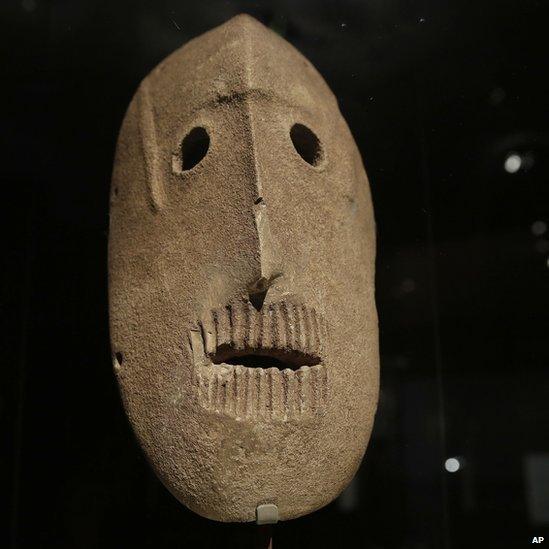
(257, 291)
(257, 299)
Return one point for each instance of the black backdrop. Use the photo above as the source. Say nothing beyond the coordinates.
(439, 95)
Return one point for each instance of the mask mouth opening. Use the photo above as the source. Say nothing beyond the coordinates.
(267, 364)
(264, 358)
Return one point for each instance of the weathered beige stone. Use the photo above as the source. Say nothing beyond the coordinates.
(241, 265)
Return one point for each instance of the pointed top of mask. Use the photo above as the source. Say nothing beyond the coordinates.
(238, 59)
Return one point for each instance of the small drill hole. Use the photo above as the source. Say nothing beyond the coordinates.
(258, 200)
(194, 148)
(306, 144)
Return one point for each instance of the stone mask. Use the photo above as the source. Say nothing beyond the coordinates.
(241, 278)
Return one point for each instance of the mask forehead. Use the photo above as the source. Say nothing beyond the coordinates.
(239, 58)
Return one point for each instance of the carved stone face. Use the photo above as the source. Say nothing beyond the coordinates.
(241, 266)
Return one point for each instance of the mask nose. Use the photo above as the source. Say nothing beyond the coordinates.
(257, 290)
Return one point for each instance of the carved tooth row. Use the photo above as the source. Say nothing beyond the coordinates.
(278, 326)
(246, 393)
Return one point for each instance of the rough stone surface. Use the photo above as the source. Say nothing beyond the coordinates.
(241, 265)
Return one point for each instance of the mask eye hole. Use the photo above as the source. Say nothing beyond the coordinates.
(194, 147)
(307, 144)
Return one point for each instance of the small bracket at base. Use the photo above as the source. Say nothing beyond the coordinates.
(266, 514)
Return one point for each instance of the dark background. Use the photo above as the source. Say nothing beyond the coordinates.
(438, 95)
